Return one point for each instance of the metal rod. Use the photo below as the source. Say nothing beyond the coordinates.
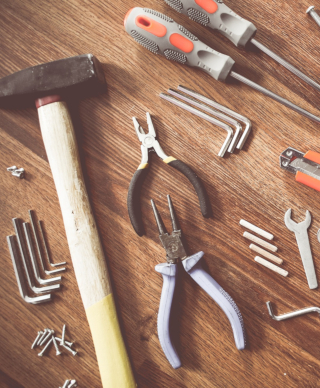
(224, 109)
(32, 221)
(172, 214)
(47, 251)
(270, 94)
(22, 246)
(158, 218)
(292, 314)
(206, 117)
(22, 285)
(286, 64)
(34, 262)
(214, 112)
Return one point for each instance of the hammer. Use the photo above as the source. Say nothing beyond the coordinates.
(48, 85)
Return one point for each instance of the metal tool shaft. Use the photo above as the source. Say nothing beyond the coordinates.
(291, 314)
(274, 96)
(286, 64)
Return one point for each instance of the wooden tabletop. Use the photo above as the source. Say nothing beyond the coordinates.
(248, 184)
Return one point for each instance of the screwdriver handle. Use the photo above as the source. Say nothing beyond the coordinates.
(218, 16)
(162, 35)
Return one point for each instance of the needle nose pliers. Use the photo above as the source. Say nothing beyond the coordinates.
(173, 244)
(150, 143)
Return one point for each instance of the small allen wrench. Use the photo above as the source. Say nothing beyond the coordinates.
(292, 314)
(32, 221)
(232, 141)
(23, 288)
(206, 117)
(224, 109)
(214, 112)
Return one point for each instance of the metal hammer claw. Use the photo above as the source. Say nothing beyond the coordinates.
(301, 232)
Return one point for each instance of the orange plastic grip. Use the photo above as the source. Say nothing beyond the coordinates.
(308, 180)
(151, 26)
(209, 6)
(181, 43)
(313, 156)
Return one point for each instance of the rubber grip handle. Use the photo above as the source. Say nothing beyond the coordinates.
(133, 200)
(193, 266)
(162, 35)
(196, 183)
(168, 272)
(218, 17)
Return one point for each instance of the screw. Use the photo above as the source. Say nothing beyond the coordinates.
(56, 346)
(314, 14)
(66, 342)
(289, 153)
(285, 163)
(63, 335)
(18, 172)
(69, 349)
(12, 168)
(49, 332)
(45, 348)
(37, 338)
(43, 335)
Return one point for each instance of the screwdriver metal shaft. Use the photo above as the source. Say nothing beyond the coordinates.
(161, 35)
(286, 64)
(275, 97)
(235, 28)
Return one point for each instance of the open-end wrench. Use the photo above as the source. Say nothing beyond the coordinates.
(301, 232)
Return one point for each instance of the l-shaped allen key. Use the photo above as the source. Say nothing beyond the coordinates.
(149, 143)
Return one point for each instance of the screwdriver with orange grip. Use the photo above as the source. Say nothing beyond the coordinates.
(305, 166)
(216, 15)
(162, 35)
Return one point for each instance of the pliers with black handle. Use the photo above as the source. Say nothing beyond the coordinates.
(149, 143)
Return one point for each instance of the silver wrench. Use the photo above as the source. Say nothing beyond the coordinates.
(301, 232)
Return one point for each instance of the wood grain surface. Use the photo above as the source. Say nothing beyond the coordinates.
(248, 184)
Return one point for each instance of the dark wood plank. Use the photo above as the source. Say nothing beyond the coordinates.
(248, 184)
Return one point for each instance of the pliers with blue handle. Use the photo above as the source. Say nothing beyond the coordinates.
(175, 250)
(150, 143)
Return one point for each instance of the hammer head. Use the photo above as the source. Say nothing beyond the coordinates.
(70, 77)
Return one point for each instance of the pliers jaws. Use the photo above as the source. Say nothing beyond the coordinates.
(172, 243)
(175, 250)
(150, 143)
(148, 140)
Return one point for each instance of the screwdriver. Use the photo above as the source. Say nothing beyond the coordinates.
(162, 35)
(218, 16)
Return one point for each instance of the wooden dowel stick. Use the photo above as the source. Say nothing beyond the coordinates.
(257, 230)
(259, 241)
(271, 266)
(266, 254)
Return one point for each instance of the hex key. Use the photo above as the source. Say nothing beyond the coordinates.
(224, 109)
(292, 314)
(31, 215)
(22, 246)
(19, 275)
(204, 116)
(34, 262)
(214, 112)
(47, 251)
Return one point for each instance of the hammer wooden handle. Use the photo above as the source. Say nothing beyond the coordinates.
(85, 247)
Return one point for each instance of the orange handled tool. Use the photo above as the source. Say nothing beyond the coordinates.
(162, 35)
(216, 15)
(305, 166)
